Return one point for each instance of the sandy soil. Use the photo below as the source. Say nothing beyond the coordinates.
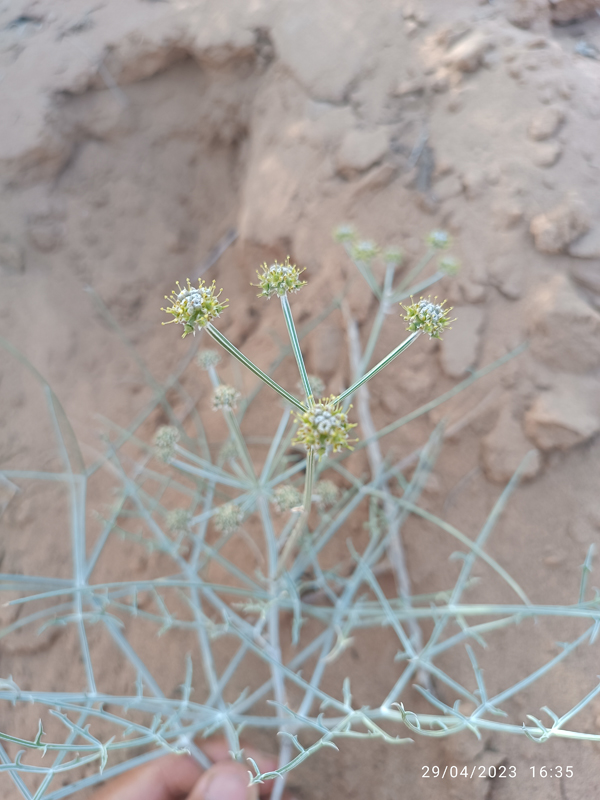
(134, 135)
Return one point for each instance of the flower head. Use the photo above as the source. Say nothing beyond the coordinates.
(327, 492)
(225, 397)
(324, 427)
(364, 251)
(178, 520)
(165, 439)
(449, 265)
(228, 452)
(194, 308)
(228, 518)
(279, 279)
(393, 255)
(428, 316)
(344, 233)
(286, 497)
(207, 359)
(439, 240)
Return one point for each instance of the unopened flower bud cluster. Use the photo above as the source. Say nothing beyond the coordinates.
(165, 439)
(286, 497)
(324, 427)
(228, 518)
(327, 493)
(194, 307)
(428, 316)
(225, 397)
(207, 359)
(279, 279)
(179, 520)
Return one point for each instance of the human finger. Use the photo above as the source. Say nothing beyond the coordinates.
(170, 777)
(227, 780)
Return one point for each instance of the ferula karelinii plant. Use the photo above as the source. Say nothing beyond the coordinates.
(235, 596)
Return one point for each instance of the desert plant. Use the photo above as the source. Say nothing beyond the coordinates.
(292, 602)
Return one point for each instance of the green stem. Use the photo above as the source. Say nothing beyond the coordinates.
(289, 321)
(378, 367)
(302, 519)
(233, 351)
(310, 479)
(234, 429)
(416, 270)
(382, 311)
(401, 295)
(236, 435)
(365, 270)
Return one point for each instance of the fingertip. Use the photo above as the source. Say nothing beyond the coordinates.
(225, 781)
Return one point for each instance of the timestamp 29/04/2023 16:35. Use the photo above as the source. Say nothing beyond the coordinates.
(491, 771)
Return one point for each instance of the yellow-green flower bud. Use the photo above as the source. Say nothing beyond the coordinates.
(439, 240)
(449, 265)
(393, 255)
(207, 359)
(194, 307)
(364, 251)
(428, 316)
(344, 233)
(279, 279)
(324, 427)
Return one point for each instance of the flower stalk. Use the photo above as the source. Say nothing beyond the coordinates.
(233, 351)
(378, 367)
(289, 321)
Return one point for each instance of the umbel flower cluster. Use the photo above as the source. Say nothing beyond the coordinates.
(279, 279)
(194, 307)
(207, 359)
(324, 427)
(165, 439)
(228, 518)
(286, 497)
(428, 316)
(225, 397)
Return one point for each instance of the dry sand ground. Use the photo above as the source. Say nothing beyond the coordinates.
(134, 134)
